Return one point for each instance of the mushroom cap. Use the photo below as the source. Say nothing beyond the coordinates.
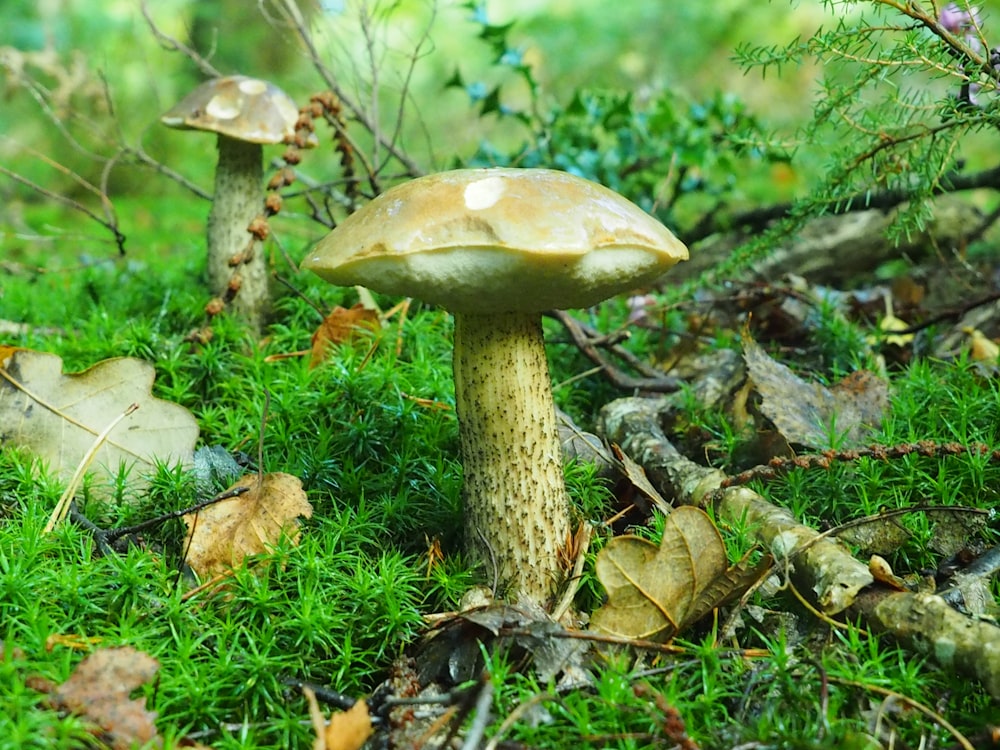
(246, 109)
(498, 240)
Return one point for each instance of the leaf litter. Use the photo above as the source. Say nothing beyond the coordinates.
(223, 534)
(99, 691)
(58, 416)
(656, 591)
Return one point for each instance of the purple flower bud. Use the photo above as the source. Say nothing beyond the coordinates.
(959, 20)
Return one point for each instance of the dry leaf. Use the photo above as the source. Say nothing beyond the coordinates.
(346, 730)
(806, 413)
(340, 326)
(99, 689)
(57, 416)
(221, 535)
(981, 348)
(636, 475)
(654, 592)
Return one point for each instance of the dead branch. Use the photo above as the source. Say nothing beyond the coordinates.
(168, 42)
(293, 18)
(834, 248)
(820, 567)
(926, 624)
(587, 340)
(817, 564)
(111, 224)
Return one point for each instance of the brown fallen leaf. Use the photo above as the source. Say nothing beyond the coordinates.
(98, 690)
(654, 592)
(58, 416)
(810, 414)
(340, 326)
(636, 476)
(222, 535)
(346, 730)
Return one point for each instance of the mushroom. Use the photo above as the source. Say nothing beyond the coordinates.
(245, 113)
(497, 247)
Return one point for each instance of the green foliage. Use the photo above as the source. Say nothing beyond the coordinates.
(380, 466)
(676, 157)
(894, 113)
(931, 401)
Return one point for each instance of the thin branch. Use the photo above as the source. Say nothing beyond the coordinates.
(119, 237)
(587, 340)
(758, 218)
(297, 22)
(168, 42)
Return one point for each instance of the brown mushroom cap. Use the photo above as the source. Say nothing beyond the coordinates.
(247, 109)
(498, 240)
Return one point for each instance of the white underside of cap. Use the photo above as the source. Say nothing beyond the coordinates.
(504, 281)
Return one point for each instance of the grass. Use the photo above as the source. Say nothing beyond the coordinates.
(381, 470)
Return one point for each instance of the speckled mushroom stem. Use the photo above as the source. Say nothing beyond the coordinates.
(238, 200)
(517, 513)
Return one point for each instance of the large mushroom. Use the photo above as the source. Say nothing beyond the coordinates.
(497, 247)
(245, 113)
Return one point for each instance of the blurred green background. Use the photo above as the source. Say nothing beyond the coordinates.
(82, 78)
(85, 81)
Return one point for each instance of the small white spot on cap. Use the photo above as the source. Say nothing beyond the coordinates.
(253, 87)
(483, 193)
(222, 107)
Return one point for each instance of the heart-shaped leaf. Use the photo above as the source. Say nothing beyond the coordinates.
(654, 592)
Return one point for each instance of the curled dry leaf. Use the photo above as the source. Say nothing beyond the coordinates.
(98, 690)
(654, 592)
(222, 535)
(340, 326)
(58, 416)
(810, 414)
(346, 730)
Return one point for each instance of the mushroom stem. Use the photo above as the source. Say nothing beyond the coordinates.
(516, 508)
(238, 200)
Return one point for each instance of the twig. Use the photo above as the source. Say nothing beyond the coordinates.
(758, 218)
(297, 22)
(119, 237)
(586, 340)
(476, 730)
(170, 43)
(107, 538)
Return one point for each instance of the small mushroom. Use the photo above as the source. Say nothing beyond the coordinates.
(245, 113)
(498, 247)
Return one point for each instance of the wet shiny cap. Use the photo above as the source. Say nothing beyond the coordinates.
(498, 240)
(247, 109)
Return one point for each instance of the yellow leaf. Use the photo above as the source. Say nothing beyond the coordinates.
(222, 535)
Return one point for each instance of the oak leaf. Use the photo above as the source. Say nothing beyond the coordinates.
(810, 414)
(346, 730)
(221, 535)
(58, 416)
(98, 690)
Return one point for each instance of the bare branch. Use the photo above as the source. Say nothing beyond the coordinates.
(168, 42)
(76, 206)
(295, 20)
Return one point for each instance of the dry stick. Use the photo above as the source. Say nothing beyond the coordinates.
(105, 538)
(62, 507)
(75, 205)
(587, 343)
(823, 570)
(299, 24)
(172, 44)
